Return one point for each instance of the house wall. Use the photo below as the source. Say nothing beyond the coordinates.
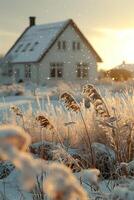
(40, 73)
(21, 76)
(70, 59)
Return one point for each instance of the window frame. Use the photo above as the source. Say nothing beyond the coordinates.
(34, 45)
(18, 48)
(10, 71)
(76, 45)
(28, 73)
(26, 47)
(82, 70)
(62, 45)
(57, 67)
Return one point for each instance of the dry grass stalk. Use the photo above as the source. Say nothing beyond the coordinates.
(17, 111)
(44, 122)
(95, 98)
(70, 102)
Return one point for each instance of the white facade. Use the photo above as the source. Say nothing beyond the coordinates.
(69, 60)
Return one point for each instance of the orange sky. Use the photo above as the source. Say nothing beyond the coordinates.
(108, 24)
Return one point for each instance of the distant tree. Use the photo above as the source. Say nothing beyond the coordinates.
(118, 74)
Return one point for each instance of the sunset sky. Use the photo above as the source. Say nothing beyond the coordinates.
(108, 24)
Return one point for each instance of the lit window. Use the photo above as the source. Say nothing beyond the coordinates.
(19, 48)
(56, 70)
(27, 71)
(34, 45)
(82, 70)
(76, 45)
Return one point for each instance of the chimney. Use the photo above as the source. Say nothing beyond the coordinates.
(32, 20)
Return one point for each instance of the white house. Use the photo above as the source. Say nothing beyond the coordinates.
(49, 53)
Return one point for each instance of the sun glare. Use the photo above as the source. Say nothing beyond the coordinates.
(115, 46)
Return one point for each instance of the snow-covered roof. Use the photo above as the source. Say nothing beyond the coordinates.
(36, 40)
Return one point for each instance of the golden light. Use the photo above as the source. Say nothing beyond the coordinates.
(115, 46)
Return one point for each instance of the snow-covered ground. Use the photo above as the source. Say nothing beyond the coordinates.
(38, 101)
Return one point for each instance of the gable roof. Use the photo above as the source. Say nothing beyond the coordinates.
(36, 41)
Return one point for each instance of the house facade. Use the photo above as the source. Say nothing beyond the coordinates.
(51, 53)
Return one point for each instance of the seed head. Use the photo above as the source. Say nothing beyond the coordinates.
(16, 110)
(44, 122)
(70, 102)
(95, 98)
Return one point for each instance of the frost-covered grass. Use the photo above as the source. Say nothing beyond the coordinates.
(63, 136)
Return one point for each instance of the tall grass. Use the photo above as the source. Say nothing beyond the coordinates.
(108, 120)
(114, 129)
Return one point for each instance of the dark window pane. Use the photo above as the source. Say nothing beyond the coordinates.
(85, 72)
(26, 47)
(17, 73)
(10, 71)
(59, 72)
(78, 46)
(59, 45)
(78, 72)
(64, 45)
(18, 48)
(34, 45)
(27, 71)
(52, 72)
(73, 46)
(82, 70)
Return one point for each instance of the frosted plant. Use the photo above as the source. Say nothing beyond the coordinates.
(13, 143)
(122, 169)
(28, 166)
(95, 98)
(15, 136)
(17, 111)
(92, 176)
(70, 102)
(61, 184)
(44, 122)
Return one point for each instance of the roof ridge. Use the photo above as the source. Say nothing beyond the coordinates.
(53, 23)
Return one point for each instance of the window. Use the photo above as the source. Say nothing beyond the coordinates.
(27, 71)
(18, 48)
(62, 45)
(76, 45)
(59, 45)
(53, 72)
(56, 70)
(82, 70)
(26, 47)
(10, 71)
(17, 73)
(34, 45)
